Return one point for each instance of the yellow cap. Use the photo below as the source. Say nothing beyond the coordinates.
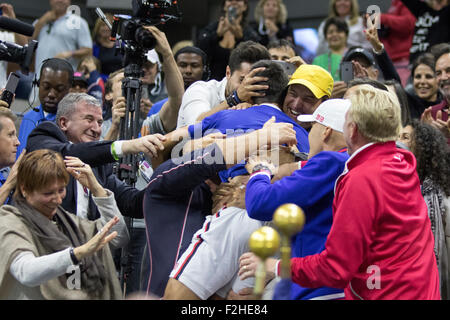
(315, 78)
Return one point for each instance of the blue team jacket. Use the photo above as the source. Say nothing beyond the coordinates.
(31, 120)
(311, 188)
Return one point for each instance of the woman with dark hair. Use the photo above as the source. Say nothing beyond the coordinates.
(46, 252)
(433, 167)
(425, 89)
(219, 38)
(336, 35)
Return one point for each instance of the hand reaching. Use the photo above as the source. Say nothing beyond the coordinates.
(98, 241)
(372, 32)
(82, 172)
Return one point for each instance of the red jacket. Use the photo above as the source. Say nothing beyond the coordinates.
(380, 245)
(400, 22)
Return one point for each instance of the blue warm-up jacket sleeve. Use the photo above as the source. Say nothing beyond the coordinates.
(305, 187)
(177, 176)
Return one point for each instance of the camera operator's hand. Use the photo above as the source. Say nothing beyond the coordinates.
(250, 86)
(149, 144)
(8, 10)
(162, 45)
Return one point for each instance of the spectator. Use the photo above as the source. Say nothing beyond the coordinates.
(282, 50)
(438, 115)
(374, 265)
(55, 81)
(348, 10)
(425, 90)
(268, 103)
(162, 122)
(433, 167)
(79, 84)
(219, 38)
(396, 33)
(42, 244)
(364, 64)
(425, 83)
(336, 34)
(271, 21)
(193, 65)
(90, 68)
(432, 21)
(309, 185)
(61, 34)
(308, 87)
(205, 98)
(153, 86)
(8, 149)
(184, 187)
(76, 133)
(104, 49)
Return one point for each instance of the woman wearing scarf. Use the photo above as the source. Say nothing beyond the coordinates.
(433, 167)
(48, 253)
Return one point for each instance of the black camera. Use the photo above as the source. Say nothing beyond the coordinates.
(136, 39)
(23, 56)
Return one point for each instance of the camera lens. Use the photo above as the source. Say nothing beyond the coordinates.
(145, 38)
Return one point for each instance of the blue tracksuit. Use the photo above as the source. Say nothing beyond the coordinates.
(31, 120)
(312, 189)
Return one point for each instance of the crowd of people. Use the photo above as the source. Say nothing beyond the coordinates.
(232, 124)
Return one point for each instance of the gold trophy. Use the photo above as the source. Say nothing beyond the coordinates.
(264, 243)
(289, 219)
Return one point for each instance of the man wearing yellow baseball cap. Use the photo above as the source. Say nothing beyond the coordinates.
(308, 87)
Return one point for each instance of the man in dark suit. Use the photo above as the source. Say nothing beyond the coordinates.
(76, 133)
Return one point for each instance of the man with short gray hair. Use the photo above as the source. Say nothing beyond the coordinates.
(8, 150)
(380, 245)
(77, 133)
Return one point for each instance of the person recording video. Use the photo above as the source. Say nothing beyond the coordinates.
(220, 37)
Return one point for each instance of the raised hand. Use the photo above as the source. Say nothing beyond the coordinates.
(251, 85)
(98, 241)
(82, 172)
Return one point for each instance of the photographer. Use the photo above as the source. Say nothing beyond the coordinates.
(219, 38)
(162, 122)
